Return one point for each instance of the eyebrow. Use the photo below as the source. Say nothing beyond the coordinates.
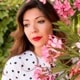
(35, 18)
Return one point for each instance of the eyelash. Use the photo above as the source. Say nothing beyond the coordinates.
(41, 21)
(26, 25)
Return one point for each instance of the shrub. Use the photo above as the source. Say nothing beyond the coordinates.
(8, 9)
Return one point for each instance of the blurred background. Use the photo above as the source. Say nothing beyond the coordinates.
(8, 10)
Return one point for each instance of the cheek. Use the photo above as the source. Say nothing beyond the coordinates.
(48, 27)
(48, 30)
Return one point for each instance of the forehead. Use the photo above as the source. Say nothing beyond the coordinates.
(32, 13)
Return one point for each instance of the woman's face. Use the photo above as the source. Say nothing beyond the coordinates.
(36, 27)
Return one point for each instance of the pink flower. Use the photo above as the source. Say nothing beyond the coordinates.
(41, 73)
(45, 54)
(55, 42)
(78, 44)
(49, 51)
(78, 63)
(67, 8)
(63, 9)
(37, 73)
(58, 6)
(51, 77)
(43, 1)
(77, 4)
(28, 1)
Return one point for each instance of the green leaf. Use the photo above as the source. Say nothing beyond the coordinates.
(3, 14)
(59, 67)
(1, 38)
(8, 10)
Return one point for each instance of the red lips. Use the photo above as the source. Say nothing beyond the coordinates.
(37, 38)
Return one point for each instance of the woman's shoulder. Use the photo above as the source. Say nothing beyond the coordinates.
(29, 60)
(15, 65)
(26, 61)
(20, 57)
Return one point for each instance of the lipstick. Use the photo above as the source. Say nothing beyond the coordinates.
(37, 38)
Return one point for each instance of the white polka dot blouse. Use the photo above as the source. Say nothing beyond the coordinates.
(22, 67)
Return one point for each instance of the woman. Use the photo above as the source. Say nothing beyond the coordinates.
(34, 26)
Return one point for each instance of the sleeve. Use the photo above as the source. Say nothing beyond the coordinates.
(10, 69)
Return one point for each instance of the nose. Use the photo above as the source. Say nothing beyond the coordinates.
(34, 28)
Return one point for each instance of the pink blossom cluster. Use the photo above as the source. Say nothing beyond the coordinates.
(42, 73)
(77, 4)
(50, 51)
(64, 10)
(49, 54)
(39, 74)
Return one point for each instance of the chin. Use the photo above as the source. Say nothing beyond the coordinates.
(39, 45)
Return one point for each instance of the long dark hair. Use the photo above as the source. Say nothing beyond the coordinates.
(21, 43)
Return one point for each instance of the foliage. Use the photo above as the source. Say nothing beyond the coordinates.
(70, 26)
(8, 9)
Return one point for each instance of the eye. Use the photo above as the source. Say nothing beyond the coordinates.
(26, 25)
(41, 21)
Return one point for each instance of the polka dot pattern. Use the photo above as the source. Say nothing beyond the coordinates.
(22, 67)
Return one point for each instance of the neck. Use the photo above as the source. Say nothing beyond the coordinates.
(38, 51)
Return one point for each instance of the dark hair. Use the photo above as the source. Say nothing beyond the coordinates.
(21, 42)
